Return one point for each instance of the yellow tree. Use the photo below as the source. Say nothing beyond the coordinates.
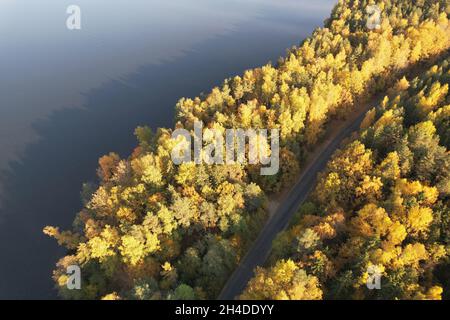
(284, 281)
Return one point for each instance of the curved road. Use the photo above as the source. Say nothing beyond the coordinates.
(260, 249)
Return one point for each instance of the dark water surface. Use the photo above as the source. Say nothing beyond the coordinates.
(68, 97)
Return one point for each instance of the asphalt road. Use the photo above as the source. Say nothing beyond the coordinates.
(260, 249)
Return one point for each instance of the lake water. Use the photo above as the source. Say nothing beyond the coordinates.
(69, 96)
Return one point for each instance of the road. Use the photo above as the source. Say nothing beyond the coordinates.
(260, 249)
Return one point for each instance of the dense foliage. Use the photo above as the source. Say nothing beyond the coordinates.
(382, 202)
(154, 230)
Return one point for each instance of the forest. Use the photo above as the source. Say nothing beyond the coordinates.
(151, 229)
(382, 203)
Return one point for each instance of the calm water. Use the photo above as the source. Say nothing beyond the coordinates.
(68, 97)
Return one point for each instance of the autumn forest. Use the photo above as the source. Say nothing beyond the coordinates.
(151, 229)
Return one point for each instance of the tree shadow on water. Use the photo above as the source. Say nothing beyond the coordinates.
(43, 187)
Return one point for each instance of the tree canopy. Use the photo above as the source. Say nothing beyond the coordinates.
(155, 230)
(382, 202)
